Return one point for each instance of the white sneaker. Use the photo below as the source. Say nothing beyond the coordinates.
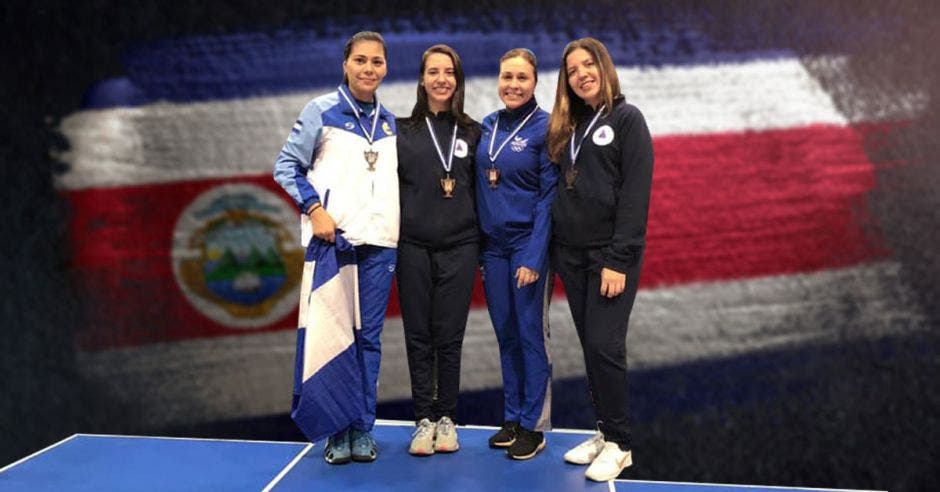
(608, 465)
(445, 436)
(584, 453)
(422, 441)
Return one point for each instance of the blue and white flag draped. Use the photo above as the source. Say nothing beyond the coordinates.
(328, 373)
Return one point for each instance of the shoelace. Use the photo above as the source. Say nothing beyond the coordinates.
(610, 454)
(592, 443)
(334, 440)
(445, 426)
(424, 429)
(363, 438)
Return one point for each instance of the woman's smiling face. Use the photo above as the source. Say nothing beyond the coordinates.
(516, 82)
(439, 81)
(584, 77)
(365, 68)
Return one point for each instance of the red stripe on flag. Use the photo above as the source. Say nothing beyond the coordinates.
(755, 204)
(122, 240)
(726, 206)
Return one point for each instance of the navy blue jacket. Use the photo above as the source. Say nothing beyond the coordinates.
(609, 204)
(515, 216)
(427, 218)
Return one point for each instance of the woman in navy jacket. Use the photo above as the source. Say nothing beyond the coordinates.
(515, 187)
(438, 247)
(603, 148)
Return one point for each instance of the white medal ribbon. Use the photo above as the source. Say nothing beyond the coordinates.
(370, 136)
(574, 151)
(508, 138)
(449, 162)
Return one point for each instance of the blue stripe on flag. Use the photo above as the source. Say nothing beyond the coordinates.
(330, 400)
(257, 64)
(332, 397)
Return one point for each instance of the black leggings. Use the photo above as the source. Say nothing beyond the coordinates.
(601, 323)
(434, 290)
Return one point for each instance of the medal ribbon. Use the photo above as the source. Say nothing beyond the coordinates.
(508, 138)
(370, 136)
(574, 151)
(449, 162)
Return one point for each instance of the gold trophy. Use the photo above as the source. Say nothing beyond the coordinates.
(448, 184)
(371, 157)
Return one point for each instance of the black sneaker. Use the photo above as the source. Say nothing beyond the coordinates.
(528, 444)
(505, 436)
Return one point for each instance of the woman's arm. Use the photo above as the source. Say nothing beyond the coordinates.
(537, 248)
(633, 195)
(294, 160)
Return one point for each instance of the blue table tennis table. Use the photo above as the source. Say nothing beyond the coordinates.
(136, 463)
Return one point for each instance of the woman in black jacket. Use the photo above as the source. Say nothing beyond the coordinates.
(438, 246)
(605, 155)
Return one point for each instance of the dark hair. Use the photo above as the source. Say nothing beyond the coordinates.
(362, 36)
(421, 107)
(527, 55)
(568, 106)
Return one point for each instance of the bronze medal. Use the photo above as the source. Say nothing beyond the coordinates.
(448, 185)
(571, 174)
(371, 158)
(492, 175)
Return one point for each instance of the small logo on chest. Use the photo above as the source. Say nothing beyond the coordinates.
(603, 135)
(460, 148)
(518, 143)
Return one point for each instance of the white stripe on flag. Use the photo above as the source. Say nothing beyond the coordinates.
(333, 306)
(167, 142)
(250, 375)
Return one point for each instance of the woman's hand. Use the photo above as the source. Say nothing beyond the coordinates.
(525, 276)
(612, 282)
(323, 226)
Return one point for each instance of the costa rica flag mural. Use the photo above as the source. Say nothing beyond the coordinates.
(189, 255)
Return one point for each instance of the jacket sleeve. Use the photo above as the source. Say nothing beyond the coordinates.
(536, 251)
(633, 193)
(292, 164)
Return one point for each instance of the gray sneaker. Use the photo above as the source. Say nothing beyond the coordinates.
(337, 450)
(445, 436)
(364, 448)
(422, 440)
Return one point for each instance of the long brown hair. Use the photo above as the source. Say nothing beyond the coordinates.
(362, 36)
(568, 106)
(421, 107)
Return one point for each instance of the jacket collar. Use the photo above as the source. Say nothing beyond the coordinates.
(520, 112)
(343, 90)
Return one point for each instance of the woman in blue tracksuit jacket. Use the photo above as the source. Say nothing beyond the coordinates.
(340, 166)
(514, 191)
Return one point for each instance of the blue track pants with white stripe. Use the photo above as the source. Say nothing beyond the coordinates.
(520, 319)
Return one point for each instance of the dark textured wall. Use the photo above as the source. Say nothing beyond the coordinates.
(862, 414)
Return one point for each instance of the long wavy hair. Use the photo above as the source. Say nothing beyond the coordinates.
(362, 36)
(569, 108)
(421, 107)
